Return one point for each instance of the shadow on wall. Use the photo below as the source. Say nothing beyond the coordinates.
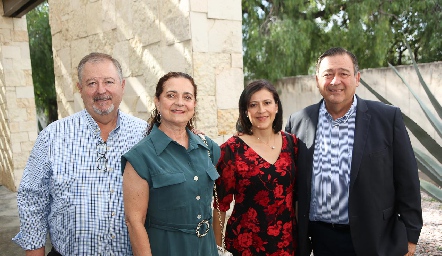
(143, 38)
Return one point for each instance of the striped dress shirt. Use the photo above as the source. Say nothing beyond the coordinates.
(331, 166)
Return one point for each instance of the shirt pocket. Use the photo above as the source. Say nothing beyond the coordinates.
(168, 191)
(167, 179)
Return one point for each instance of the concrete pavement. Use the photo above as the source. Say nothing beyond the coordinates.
(10, 224)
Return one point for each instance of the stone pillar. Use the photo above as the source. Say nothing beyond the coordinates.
(151, 38)
(18, 123)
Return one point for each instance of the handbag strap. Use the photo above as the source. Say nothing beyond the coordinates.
(216, 199)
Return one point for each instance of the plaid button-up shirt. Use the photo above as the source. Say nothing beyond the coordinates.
(72, 187)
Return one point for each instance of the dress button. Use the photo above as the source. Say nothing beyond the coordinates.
(199, 216)
(198, 197)
(195, 178)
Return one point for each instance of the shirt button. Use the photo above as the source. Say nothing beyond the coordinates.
(198, 197)
(199, 216)
(195, 178)
(113, 236)
(113, 213)
(112, 191)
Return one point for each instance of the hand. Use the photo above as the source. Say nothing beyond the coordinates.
(411, 249)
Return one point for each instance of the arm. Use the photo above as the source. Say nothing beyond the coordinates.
(37, 252)
(33, 198)
(136, 200)
(218, 227)
(406, 181)
(225, 186)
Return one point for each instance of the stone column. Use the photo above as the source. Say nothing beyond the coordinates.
(18, 123)
(151, 38)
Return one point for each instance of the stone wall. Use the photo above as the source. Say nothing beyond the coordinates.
(18, 124)
(151, 38)
(299, 92)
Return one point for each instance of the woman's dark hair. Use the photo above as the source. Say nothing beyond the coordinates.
(155, 117)
(243, 124)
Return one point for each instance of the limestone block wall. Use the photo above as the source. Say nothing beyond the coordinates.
(151, 38)
(299, 92)
(18, 123)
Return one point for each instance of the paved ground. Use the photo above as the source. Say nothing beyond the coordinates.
(9, 224)
(430, 241)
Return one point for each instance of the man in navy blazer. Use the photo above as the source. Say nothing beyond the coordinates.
(358, 184)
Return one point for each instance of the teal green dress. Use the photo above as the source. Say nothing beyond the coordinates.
(180, 192)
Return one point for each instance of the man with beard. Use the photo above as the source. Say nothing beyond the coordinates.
(71, 186)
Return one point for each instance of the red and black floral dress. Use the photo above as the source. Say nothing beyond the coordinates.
(263, 218)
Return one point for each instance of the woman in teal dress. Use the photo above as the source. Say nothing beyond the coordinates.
(168, 178)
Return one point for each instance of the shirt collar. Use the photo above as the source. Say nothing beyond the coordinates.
(92, 124)
(347, 115)
(160, 140)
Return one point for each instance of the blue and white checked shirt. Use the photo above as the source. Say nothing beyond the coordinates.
(66, 189)
(331, 166)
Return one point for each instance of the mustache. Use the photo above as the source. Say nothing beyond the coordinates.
(102, 97)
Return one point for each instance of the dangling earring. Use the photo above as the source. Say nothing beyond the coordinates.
(191, 123)
(159, 118)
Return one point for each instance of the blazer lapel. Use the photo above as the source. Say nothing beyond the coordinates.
(311, 121)
(361, 134)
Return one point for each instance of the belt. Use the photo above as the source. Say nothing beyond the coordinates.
(334, 225)
(200, 229)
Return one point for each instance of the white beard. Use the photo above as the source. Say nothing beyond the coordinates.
(103, 112)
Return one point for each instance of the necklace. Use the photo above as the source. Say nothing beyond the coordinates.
(272, 147)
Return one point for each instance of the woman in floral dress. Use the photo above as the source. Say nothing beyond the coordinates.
(257, 170)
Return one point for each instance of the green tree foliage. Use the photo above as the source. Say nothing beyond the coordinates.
(40, 45)
(284, 37)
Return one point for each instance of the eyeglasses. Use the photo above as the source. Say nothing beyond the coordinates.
(102, 160)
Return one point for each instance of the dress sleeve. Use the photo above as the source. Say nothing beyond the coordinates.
(406, 179)
(33, 197)
(135, 158)
(226, 183)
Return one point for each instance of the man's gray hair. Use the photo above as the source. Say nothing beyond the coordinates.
(97, 57)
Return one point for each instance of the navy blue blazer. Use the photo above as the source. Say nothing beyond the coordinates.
(384, 197)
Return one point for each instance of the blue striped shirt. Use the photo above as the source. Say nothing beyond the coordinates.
(331, 166)
(72, 187)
